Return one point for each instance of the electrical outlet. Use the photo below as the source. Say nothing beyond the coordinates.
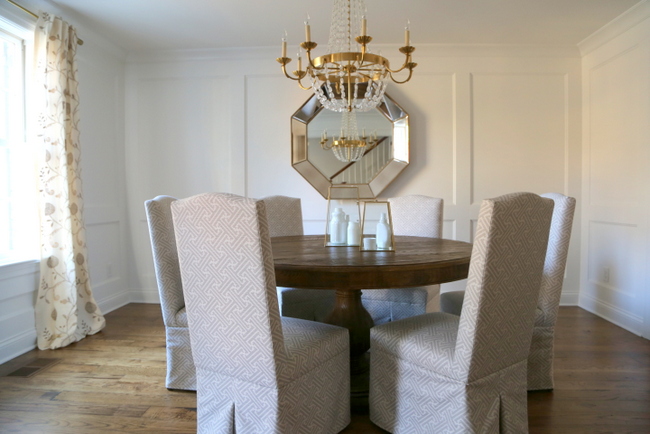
(606, 274)
(109, 270)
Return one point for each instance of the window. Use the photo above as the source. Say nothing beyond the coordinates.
(19, 233)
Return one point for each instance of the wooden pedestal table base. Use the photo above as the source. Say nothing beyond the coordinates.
(350, 313)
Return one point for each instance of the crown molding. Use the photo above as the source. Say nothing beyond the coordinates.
(619, 25)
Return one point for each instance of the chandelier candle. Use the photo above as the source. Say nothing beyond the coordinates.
(407, 35)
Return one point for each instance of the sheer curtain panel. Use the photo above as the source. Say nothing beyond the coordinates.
(66, 310)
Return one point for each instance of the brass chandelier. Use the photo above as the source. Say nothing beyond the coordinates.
(348, 147)
(350, 77)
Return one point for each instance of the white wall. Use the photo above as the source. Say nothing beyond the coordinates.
(484, 121)
(615, 272)
(101, 76)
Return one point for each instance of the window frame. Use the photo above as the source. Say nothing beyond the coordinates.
(19, 27)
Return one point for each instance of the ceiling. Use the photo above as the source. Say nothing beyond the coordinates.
(140, 25)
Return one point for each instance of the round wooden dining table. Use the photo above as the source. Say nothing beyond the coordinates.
(304, 262)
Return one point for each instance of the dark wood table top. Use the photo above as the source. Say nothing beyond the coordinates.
(304, 262)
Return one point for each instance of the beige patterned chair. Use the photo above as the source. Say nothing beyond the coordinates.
(417, 216)
(439, 373)
(284, 216)
(540, 359)
(256, 371)
(180, 366)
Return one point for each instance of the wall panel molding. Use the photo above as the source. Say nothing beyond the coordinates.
(439, 100)
(615, 280)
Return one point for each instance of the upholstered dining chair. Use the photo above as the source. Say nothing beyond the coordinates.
(180, 366)
(284, 216)
(540, 359)
(256, 371)
(446, 374)
(418, 216)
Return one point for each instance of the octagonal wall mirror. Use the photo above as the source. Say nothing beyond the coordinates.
(381, 163)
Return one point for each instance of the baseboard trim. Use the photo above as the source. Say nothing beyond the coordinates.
(109, 304)
(628, 321)
(26, 341)
(17, 345)
(570, 299)
(145, 296)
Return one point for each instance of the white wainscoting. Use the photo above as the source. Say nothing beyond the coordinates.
(101, 75)
(484, 122)
(18, 284)
(615, 272)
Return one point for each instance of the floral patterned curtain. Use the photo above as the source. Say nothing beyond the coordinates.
(65, 309)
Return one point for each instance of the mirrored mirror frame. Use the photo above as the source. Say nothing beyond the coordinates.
(300, 152)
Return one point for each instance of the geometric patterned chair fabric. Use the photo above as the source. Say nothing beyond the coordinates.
(540, 359)
(180, 366)
(284, 216)
(440, 373)
(418, 216)
(256, 371)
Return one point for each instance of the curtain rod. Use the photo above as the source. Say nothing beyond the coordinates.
(79, 40)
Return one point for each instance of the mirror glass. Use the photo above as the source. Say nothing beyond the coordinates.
(381, 162)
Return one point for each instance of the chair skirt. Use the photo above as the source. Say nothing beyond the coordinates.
(540, 359)
(309, 304)
(387, 305)
(310, 404)
(433, 403)
(181, 373)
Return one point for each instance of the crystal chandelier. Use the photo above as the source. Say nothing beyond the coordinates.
(348, 147)
(350, 77)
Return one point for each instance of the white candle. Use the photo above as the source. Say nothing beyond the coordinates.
(298, 54)
(407, 34)
(307, 31)
(284, 47)
(363, 25)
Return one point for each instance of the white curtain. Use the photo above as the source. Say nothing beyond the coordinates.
(65, 309)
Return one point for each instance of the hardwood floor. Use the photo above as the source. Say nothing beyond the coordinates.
(114, 382)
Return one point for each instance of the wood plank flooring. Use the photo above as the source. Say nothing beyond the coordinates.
(114, 382)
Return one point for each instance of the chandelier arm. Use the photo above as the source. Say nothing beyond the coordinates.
(311, 63)
(303, 87)
(326, 145)
(284, 69)
(404, 66)
(402, 82)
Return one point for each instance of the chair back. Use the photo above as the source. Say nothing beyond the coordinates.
(165, 257)
(556, 257)
(497, 318)
(417, 216)
(228, 277)
(284, 216)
